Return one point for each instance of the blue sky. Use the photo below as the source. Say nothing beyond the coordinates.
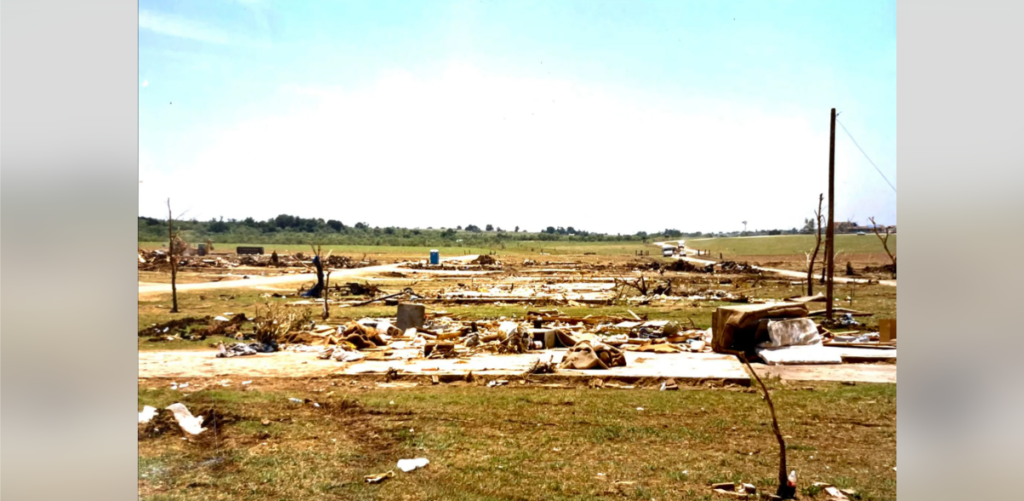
(608, 116)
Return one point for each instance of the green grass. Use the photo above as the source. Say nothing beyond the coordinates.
(788, 245)
(500, 443)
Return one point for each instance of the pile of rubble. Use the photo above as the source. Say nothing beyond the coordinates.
(692, 295)
(157, 260)
(683, 266)
(593, 341)
(734, 267)
(194, 328)
(786, 333)
(585, 292)
(475, 265)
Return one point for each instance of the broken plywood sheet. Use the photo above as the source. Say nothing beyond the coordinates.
(680, 366)
(853, 354)
(675, 365)
(803, 354)
(859, 373)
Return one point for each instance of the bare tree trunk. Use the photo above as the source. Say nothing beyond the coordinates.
(173, 259)
(327, 285)
(317, 251)
(885, 244)
(785, 490)
(817, 246)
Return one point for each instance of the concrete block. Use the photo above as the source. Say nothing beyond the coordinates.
(411, 315)
(547, 336)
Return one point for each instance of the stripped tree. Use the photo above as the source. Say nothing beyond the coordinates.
(812, 256)
(172, 241)
(885, 243)
(321, 259)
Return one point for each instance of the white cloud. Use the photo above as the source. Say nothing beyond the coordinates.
(168, 24)
(145, 83)
(469, 148)
(176, 26)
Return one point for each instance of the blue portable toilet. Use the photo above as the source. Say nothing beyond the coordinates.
(435, 257)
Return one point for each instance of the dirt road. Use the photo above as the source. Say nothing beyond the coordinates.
(786, 273)
(255, 281)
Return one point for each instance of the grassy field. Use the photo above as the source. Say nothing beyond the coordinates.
(515, 443)
(782, 245)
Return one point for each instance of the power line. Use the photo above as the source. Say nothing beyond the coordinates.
(866, 156)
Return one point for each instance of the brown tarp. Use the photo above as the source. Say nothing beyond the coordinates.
(735, 328)
(585, 356)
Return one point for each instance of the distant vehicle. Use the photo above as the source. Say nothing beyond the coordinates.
(668, 250)
(861, 233)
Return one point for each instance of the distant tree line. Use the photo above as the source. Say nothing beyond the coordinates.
(287, 229)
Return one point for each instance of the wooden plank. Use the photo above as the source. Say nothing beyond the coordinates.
(887, 329)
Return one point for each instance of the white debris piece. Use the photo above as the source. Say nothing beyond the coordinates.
(507, 328)
(408, 465)
(385, 328)
(189, 423)
(801, 355)
(340, 354)
(793, 332)
(147, 414)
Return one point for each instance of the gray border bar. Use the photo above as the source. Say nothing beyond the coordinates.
(68, 203)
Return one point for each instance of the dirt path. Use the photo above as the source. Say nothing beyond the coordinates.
(786, 273)
(151, 289)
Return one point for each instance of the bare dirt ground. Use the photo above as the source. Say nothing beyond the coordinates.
(247, 281)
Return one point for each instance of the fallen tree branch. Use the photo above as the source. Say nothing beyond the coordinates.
(404, 292)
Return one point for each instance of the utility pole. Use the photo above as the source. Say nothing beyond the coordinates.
(830, 231)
